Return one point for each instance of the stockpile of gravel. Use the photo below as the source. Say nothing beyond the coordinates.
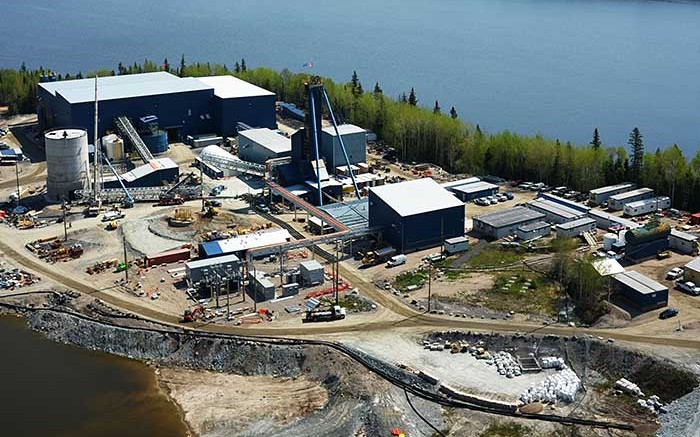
(682, 418)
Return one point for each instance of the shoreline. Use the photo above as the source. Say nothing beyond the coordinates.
(165, 391)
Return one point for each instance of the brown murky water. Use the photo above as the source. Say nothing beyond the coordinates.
(50, 389)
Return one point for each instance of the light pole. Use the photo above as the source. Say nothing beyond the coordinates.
(65, 225)
(19, 195)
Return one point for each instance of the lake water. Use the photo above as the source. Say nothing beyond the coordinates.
(50, 389)
(559, 67)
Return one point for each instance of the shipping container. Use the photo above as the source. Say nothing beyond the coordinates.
(167, 257)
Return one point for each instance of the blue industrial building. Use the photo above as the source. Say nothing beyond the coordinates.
(644, 293)
(183, 106)
(415, 215)
(354, 140)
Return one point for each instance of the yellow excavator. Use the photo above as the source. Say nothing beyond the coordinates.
(112, 225)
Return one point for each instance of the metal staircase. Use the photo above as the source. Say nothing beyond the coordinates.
(127, 130)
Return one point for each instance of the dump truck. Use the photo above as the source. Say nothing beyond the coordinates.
(334, 313)
(376, 257)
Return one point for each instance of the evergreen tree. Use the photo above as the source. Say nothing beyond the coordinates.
(182, 66)
(244, 68)
(403, 98)
(377, 90)
(636, 144)
(453, 113)
(412, 100)
(166, 65)
(595, 143)
(23, 68)
(121, 69)
(478, 131)
(79, 75)
(436, 109)
(237, 67)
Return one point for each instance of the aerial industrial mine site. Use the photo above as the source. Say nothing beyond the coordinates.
(286, 273)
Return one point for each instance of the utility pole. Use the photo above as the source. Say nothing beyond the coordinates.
(229, 274)
(19, 195)
(201, 181)
(430, 280)
(65, 225)
(126, 261)
(97, 161)
(255, 287)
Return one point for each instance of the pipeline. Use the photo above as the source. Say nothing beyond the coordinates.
(347, 351)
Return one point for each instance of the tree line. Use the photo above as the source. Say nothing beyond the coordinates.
(428, 134)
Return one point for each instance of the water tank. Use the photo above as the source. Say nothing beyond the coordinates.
(622, 238)
(66, 161)
(113, 146)
(608, 240)
(157, 142)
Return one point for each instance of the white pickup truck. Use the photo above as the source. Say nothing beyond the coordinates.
(688, 287)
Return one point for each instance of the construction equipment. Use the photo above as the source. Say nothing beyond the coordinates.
(172, 195)
(376, 257)
(192, 315)
(335, 313)
(112, 225)
(129, 202)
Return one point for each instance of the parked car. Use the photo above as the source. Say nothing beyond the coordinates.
(509, 196)
(688, 287)
(674, 274)
(668, 313)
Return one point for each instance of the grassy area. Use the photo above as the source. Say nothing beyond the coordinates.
(407, 279)
(494, 257)
(506, 429)
(528, 292)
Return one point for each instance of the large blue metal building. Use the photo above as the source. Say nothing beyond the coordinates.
(184, 106)
(415, 215)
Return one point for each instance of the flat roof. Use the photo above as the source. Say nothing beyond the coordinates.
(612, 217)
(456, 240)
(609, 188)
(555, 208)
(474, 187)
(123, 87)
(457, 183)
(693, 265)
(628, 194)
(683, 235)
(416, 197)
(231, 87)
(207, 262)
(640, 283)
(344, 129)
(245, 242)
(311, 265)
(148, 168)
(607, 266)
(509, 217)
(585, 221)
(645, 202)
(353, 214)
(268, 139)
(534, 226)
(566, 202)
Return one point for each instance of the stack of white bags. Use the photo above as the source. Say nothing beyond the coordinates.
(506, 364)
(552, 363)
(561, 386)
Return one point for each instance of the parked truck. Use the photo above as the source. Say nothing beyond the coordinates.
(376, 257)
(334, 313)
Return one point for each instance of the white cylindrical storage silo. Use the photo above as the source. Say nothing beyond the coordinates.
(113, 146)
(608, 240)
(66, 161)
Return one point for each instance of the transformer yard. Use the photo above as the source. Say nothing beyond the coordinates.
(238, 228)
